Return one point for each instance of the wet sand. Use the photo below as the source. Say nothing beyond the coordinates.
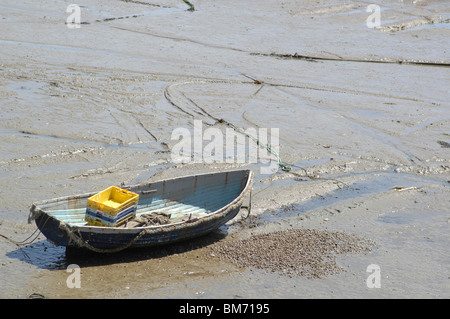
(363, 118)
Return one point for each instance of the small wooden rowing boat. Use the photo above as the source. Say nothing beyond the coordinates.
(192, 206)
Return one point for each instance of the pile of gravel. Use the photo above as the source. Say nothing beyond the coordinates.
(302, 252)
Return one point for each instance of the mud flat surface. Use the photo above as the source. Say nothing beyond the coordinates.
(363, 117)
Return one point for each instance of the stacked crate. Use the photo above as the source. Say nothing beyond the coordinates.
(111, 207)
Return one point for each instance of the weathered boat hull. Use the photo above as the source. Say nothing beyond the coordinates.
(202, 203)
(118, 238)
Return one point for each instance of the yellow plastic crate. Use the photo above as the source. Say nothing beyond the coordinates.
(111, 207)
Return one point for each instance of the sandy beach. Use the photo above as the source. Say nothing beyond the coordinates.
(356, 91)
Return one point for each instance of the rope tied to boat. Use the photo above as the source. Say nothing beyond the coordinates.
(171, 98)
(284, 167)
(24, 242)
(27, 241)
(76, 238)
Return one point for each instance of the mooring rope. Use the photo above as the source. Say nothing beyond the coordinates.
(268, 147)
(84, 243)
(25, 241)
